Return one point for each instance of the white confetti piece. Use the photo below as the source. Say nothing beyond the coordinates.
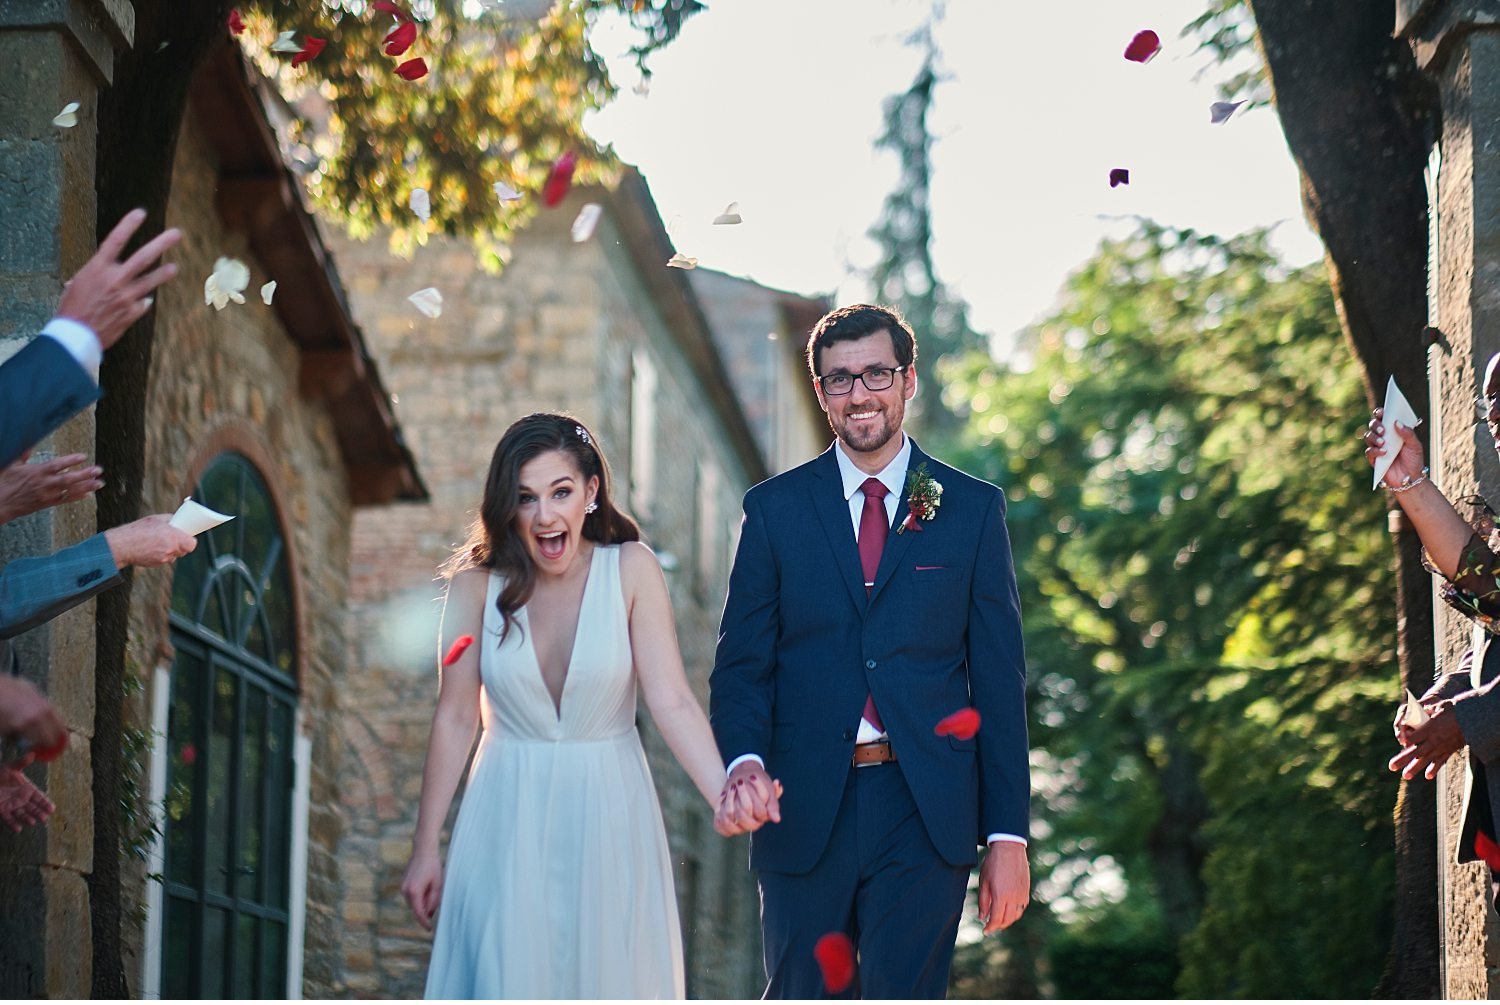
(428, 301)
(286, 42)
(505, 193)
(267, 292)
(1220, 111)
(227, 282)
(421, 204)
(681, 261)
(731, 215)
(68, 117)
(587, 220)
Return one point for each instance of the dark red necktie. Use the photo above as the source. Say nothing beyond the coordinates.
(874, 525)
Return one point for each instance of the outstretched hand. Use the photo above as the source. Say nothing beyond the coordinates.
(26, 488)
(109, 295)
(750, 798)
(1408, 463)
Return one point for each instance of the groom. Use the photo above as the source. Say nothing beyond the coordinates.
(857, 620)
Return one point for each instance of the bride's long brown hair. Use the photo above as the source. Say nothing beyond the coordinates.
(493, 543)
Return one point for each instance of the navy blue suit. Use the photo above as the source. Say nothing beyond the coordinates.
(41, 387)
(800, 646)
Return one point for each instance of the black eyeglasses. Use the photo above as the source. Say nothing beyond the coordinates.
(876, 379)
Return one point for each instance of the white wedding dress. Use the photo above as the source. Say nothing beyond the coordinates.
(559, 880)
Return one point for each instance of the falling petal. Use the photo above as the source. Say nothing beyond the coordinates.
(428, 301)
(586, 221)
(400, 38)
(681, 261)
(457, 649)
(559, 179)
(286, 42)
(835, 955)
(421, 204)
(1143, 47)
(643, 86)
(394, 9)
(1119, 176)
(505, 193)
(1220, 111)
(310, 49)
(68, 117)
(267, 292)
(730, 215)
(236, 23)
(227, 282)
(961, 725)
(189, 753)
(1487, 850)
(412, 69)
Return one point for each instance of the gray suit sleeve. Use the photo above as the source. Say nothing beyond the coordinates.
(35, 590)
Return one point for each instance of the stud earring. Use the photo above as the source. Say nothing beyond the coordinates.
(591, 507)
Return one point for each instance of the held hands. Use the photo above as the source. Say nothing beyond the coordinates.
(750, 798)
(1004, 885)
(26, 488)
(27, 716)
(109, 295)
(422, 886)
(149, 541)
(1408, 463)
(1426, 747)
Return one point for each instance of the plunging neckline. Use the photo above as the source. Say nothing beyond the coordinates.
(536, 659)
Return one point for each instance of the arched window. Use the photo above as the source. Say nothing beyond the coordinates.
(233, 703)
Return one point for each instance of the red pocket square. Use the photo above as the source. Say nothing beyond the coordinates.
(930, 568)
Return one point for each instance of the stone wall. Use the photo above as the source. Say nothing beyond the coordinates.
(228, 380)
(561, 329)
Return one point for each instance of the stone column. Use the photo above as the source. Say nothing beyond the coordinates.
(56, 52)
(1457, 42)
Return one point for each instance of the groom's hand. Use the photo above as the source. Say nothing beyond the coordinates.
(1004, 885)
(748, 801)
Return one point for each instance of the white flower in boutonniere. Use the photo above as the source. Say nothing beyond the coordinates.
(924, 494)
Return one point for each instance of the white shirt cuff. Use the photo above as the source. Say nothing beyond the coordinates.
(742, 759)
(1012, 838)
(80, 342)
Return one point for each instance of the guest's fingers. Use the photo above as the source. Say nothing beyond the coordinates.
(150, 252)
(120, 236)
(142, 288)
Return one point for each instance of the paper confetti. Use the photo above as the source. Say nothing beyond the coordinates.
(428, 301)
(1220, 111)
(1118, 176)
(460, 644)
(68, 117)
(1143, 47)
(267, 292)
(559, 179)
(681, 261)
(961, 725)
(586, 221)
(731, 215)
(421, 204)
(227, 282)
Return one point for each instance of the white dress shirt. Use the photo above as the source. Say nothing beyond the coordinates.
(80, 342)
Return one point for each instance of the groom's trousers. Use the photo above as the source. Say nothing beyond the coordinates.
(881, 882)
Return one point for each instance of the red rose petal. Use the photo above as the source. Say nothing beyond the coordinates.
(400, 38)
(459, 645)
(1143, 46)
(413, 69)
(236, 23)
(559, 179)
(310, 49)
(50, 753)
(1486, 848)
(835, 955)
(1118, 176)
(963, 724)
(385, 6)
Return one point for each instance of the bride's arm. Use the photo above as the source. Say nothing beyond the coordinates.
(453, 726)
(658, 665)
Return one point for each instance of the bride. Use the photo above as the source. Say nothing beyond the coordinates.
(559, 881)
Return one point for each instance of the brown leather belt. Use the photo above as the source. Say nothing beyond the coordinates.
(879, 752)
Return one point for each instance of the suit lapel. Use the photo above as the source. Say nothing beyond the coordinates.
(897, 544)
(833, 510)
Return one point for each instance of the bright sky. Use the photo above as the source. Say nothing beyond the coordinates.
(776, 104)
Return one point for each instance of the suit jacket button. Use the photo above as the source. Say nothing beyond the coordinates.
(869, 664)
(848, 734)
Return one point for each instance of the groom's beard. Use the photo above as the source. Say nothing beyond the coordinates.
(867, 437)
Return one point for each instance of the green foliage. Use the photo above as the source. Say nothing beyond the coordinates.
(1226, 31)
(1202, 572)
(503, 100)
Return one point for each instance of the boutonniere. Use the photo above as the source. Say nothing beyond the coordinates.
(924, 494)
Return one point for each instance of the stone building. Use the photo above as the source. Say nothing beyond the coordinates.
(682, 405)
(275, 415)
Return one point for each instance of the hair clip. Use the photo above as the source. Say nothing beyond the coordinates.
(583, 434)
